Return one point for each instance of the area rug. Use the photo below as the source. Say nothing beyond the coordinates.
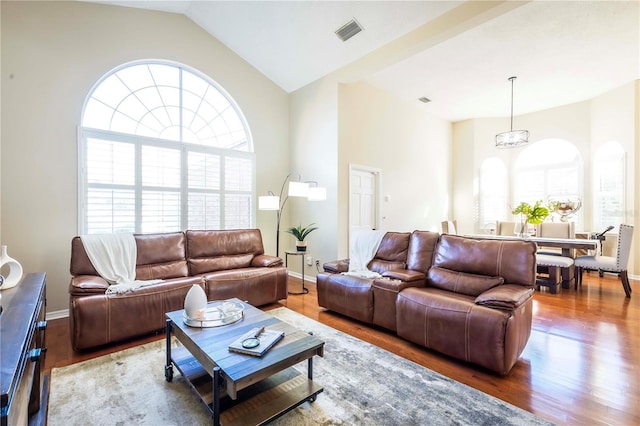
(363, 385)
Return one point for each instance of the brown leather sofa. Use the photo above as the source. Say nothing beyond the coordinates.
(226, 264)
(469, 299)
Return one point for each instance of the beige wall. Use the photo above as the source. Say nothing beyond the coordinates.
(411, 147)
(314, 121)
(612, 116)
(374, 129)
(52, 54)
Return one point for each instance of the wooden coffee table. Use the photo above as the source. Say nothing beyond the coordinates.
(229, 383)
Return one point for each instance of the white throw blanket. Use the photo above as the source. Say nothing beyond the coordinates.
(114, 258)
(362, 247)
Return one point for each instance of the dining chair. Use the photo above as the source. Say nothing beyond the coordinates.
(449, 227)
(616, 264)
(555, 230)
(505, 228)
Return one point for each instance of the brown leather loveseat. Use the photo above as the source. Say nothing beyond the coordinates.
(469, 299)
(229, 263)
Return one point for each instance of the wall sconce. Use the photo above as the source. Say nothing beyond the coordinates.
(297, 188)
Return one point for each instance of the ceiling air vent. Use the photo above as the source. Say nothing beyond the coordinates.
(348, 30)
(425, 100)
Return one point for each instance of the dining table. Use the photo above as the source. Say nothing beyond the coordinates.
(566, 245)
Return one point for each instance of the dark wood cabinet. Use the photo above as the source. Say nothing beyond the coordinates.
(22, 351)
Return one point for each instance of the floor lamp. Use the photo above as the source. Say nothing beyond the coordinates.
(297, 188)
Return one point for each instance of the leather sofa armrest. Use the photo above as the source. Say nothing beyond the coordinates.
(266, 261)
(396, 285)
(87, 284)
(507, 296)
(405, 275)
(337, 266)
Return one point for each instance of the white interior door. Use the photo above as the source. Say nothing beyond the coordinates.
(363, 198)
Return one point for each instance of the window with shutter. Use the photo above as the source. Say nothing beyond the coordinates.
(493, 192)
(608, 186)
(549, 169)
(163, 148)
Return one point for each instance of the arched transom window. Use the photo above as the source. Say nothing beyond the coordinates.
(163, 148)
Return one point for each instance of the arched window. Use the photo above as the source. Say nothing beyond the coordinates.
(608, 186)
(163, 148)
(549, 169)
(493, 192)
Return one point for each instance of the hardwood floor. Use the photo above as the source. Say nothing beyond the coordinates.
(580, 366)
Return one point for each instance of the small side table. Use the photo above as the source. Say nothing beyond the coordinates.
(286, 264)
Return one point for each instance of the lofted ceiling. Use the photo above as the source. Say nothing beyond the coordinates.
(561, 51)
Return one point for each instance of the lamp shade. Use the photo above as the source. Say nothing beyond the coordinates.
(317, 193)
(512, 139)
(268, 202)
(298, 189)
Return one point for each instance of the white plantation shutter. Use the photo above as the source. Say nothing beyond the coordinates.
(110, 196)
(162, 149)
(238, 195)
(204, 211)
(493, 191)
(609, 189)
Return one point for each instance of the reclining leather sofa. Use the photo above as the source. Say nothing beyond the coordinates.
(469, 299)
(226, 263)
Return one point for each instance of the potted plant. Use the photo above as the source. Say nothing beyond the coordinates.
(301, 233)
(530, 215)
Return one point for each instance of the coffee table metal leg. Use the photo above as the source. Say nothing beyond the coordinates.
(168, 368)
(216, 396)
(310, 376)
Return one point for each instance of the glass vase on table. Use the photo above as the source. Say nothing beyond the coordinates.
(524, 229)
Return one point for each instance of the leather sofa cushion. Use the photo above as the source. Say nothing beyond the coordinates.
(158, 256)
(421, 247)
(211, 251)
(160, 248)
(393, 247)
(515, 261)
(507, 297)
(461, 282)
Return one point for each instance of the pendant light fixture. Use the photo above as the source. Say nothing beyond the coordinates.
(512, 138)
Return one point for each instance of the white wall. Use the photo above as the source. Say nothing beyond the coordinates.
(52, 54)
